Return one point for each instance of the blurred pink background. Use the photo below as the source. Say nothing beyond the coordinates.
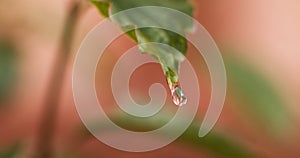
(264, 33)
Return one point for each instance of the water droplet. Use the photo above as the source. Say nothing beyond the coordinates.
(178, 95)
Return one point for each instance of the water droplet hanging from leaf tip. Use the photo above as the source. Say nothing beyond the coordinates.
(178, 95)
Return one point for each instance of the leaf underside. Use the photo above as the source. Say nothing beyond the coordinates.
(168, 58)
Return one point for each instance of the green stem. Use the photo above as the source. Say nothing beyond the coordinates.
(44, 148)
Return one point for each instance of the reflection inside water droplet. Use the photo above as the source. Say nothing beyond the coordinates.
(178, 95)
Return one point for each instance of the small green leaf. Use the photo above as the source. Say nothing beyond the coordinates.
(103, 7)
(130, 33)
(169, 59)
(258, 96)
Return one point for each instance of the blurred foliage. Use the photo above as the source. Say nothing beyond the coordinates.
(13, 152)
(257, 96)
(7, 69)
(217, 143)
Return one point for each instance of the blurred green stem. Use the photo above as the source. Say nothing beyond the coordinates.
(44, 146)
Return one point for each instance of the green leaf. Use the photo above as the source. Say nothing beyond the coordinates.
(7, 68)
(257, 96)
(168, 58)
(217, 143)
